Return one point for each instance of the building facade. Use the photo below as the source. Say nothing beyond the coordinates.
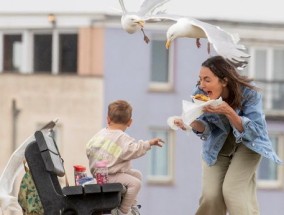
(70, 66)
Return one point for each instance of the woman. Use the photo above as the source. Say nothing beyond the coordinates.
(235, 137)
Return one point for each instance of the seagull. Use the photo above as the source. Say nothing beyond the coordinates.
(131, 22)
(224, 43)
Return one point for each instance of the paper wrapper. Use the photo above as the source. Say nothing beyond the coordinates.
(191, 111)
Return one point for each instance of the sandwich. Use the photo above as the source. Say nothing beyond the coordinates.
(201, 97)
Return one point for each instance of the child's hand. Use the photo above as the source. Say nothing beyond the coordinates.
(156, 142)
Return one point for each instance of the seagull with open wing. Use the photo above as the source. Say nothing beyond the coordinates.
(224, 43)
(131, 22)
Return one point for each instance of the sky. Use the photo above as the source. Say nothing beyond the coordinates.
(234, 10)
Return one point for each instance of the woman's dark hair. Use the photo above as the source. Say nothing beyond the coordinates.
(223, 70)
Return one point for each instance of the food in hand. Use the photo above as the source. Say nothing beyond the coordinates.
(202, 97)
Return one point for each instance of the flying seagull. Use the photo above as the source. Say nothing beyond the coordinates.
(224, 43)
(133, 21)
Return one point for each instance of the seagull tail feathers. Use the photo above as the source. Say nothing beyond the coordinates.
(241, 47)
(238, 63)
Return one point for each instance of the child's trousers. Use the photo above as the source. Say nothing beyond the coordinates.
(132, 180)
(230, 184)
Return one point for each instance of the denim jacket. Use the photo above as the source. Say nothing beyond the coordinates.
(254, 136)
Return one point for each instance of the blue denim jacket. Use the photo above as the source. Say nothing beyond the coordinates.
(254, 136)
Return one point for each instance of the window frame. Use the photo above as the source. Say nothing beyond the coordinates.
(166, 86)
(2, 34)
(55, 47)
(269, 79)
(279, 182)
(169, 179)
(28, 43)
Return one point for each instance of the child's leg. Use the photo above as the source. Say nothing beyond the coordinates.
(136, 173)
(133, 185)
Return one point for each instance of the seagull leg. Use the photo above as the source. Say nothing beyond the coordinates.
(208, 47)
(198, 44)
(146, 39)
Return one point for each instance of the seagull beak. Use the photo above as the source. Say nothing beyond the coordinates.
(168, 44)
(141, 23)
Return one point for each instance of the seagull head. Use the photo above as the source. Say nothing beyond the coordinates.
(179, 29)
(172, 33)
(183, 28)
(131, 23)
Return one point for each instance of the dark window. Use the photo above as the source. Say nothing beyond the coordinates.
(68, 53)
(42, 52)
(159, 67)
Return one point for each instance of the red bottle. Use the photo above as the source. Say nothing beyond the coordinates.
(79, 172)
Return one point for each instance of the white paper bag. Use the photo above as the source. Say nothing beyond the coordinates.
(191, 111)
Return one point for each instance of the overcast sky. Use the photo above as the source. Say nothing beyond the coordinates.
(250, 10)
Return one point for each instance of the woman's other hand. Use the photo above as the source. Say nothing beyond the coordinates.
(179, 123)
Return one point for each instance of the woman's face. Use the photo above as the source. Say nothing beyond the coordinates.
(212, 85)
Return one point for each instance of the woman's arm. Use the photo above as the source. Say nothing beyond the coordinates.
(226, 110)
(197, 126)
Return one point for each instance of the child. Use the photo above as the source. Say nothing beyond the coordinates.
(118, 149)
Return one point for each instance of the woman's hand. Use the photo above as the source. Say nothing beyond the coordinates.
(229, 112)
(222, 108)
(179, 123)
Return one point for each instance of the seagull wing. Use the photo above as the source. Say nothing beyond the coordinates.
(224, 43)
(124, 11)
(148, 6)
(161, 17)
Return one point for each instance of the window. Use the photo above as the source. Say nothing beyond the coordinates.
(12, 52)
(270, 174)
(42, 53)
(267, 68)
(39, 51)
(68, 53)
(160, 162)
(161, 77)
